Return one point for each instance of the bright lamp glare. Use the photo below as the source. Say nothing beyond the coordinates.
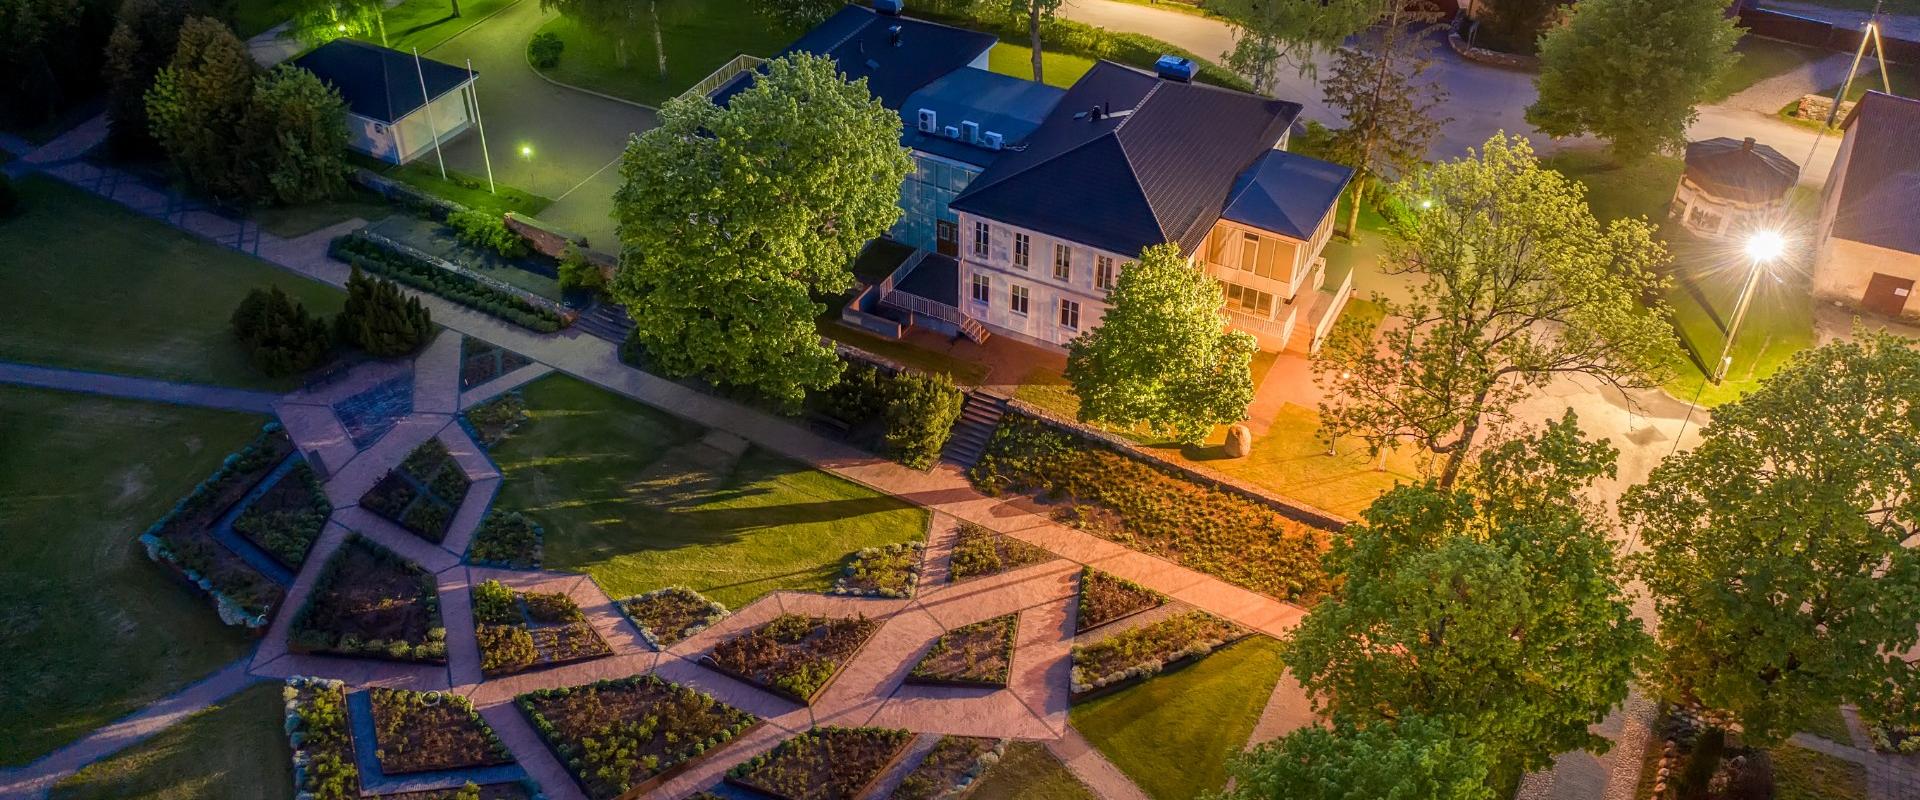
(1766, 246)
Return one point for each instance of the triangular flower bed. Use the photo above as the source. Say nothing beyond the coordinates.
(979, 654)
(370, 602)
(793, 656)
(429, 731)
(518, 631)
(667, 616)
(1105, 598)
(823, 764)
(423, 493)
(628, 736)
(978, 552)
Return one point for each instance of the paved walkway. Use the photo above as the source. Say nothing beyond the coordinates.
(158, 391)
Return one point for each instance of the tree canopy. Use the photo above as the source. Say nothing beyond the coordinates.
(1513, 282)
(1391, 113)
(295, 137)
(1268, 34)
(731, 219)
(1632, 71)
(197, 102)
(796, 14)
(1495, 605)
(1774, 550)
(144, 36)
(1410, 758)
(1162, 355)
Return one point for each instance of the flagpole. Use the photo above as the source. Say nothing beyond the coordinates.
(432, 127)
(474, 95)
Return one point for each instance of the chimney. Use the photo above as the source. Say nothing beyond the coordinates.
(1747, 146)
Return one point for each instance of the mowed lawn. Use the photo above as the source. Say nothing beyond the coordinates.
(1173, 733)
(1029, 772)
(235, 750)
(699, 39)
(87, 284)
(91, 629)
(633, 497)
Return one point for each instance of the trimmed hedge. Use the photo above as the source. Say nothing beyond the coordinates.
(369, 255)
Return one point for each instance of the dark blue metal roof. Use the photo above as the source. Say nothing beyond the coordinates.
(862, 43)
(935, 278)
(377, 82)
(1287, 193)
(1010, 106)
(1156, 164)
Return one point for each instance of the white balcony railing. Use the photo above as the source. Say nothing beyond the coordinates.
(726, 72)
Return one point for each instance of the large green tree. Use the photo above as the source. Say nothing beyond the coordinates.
(1774, 550)
(294, 138)
(1410, 758)
(1495, 605)
(317, 22)
(1513, 282)
(797, 14)
(732, 219)
(1513, 26)
(144, 36)
(49, 55)
(1391, 113)
(1632, 71)
(197, 103)
(1270, 34)
(1163, 356)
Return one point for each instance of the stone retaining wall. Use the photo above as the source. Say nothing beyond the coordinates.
(1493, 57)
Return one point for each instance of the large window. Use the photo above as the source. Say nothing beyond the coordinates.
(1249, 301)
(982, 235)
(1022, 250)
(1103, 272)
(1017, 298)
(1263, 256)
(1062, 262)
(982, 288)
(1069, 315)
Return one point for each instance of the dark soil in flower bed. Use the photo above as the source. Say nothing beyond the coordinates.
(1149, 648)
(185, 536)
(1105, 598)
(979, 654)
(421, 494)
(494, 420)
(481, 362)
(791, 655)
(519, 631)
(617, 735)
(978, 552)
(1143, 506)
(288, 518)
(667, 616)
(421, 732)
(370, 602)
(952, 759)
(823, 764)
(508, 540)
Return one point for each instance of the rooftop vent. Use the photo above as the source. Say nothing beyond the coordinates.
(1175, 68)
(993, 140)
(890, 8)
(893, 35)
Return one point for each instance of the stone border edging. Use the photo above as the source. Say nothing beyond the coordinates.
(1166, 668)
(706, 660)
(1515, 61)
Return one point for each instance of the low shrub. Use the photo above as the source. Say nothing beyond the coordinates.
(859, 395)
(544, 49)
(493, 421)
(366, 254)
(322, 743)
(825, 763)
(381, 320)
(423, 493)
(488, 231)
(978, 654)
(921, 410)
(280, 336)
(1148, 649)
(1105, 598)
(978, 552)
(792, 655)
(614, 735)
(953, 764)
(667, 616)
(422, 732)
(289, 518)
(522, 630)
(889, 571)
(506, 540)
(579, 272)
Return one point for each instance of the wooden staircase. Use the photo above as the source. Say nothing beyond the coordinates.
(979, 418)
(974, 330)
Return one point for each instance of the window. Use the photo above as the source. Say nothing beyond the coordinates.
(1249, 301)
(1703, 218)
(1017, 299)
(982, 288)
(981, 236)
(1103, 272)
(1062, 262)
(1069, 315)
(1022, 250)
(1249, 252)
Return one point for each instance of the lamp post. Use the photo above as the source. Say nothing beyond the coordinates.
(1763, 248)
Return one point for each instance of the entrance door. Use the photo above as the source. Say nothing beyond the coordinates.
(1887, 294)
(947, 237)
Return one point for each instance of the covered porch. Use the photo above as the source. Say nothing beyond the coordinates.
(923, 292)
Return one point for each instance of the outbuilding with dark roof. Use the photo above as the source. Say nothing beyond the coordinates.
(1732, 187)
(398, 104)
(1868, 247)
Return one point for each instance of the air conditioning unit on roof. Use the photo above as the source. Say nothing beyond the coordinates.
(929, 122)
(952, 132)
(993, 140)
(970, 132)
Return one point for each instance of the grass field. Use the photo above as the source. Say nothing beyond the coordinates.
(92, 629)
(290, 222)
(629, 495)
(1029, 772)
(1172, 734)
(467, 190)
(426, 23)
(699, 39)
(232, 751)
(1802, 774)
(87, 284)
(1760, 59)
(1059, 69)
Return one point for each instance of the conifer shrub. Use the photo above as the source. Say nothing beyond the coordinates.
(381, 320)
(281, 337)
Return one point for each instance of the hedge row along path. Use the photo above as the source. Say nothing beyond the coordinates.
(869, 691)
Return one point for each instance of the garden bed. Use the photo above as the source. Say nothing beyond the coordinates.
(793, 656)
(184, 538)
(1129, 501)
(632, 734)
(978, 654)
(978, 552)
(888, 571)
(322, 739)
(950, 768)
(423, 493)
(507, 540)
(827, 763)
(425, 732)
(370, 602)
(1106, 598)
(667, 616)
(493, 421)
(519, 631)
(386, 260)
(286, 520)
(482, 361)
(492, 791)
(1129, 656)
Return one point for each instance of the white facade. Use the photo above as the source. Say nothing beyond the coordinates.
(412, 137)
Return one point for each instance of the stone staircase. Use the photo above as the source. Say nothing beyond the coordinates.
(978, 419)
(605, 320)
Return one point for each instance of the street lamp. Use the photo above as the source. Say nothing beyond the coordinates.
(1763, 248)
